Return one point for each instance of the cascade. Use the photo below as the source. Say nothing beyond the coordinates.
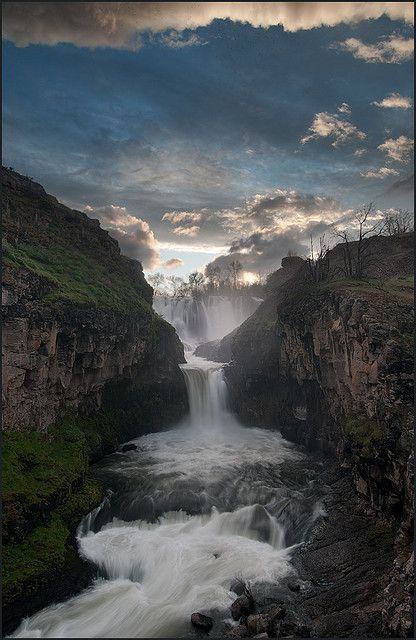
(207, 318)
(188, 511)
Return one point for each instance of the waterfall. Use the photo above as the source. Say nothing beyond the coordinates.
(188, 510)
(207, 393)
(205, 319)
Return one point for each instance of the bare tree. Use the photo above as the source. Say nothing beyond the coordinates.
(357, 256)
(176, 283)
(318, 263)
(196, 280)
(235, 269)
(157, 280)
(397, 221)
(213, 274)
(363, 246)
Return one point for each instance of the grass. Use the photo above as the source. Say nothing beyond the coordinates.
(76, 276)
(399, 288)
(365, 433)
(45, 481)
(46, 549)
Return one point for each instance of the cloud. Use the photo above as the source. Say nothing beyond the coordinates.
(134, 235)
(175, 40)
(271, 224)
(329, 125)
(381, 173)
(262, 252)
(344, 108)
(182, 216)
(360, 152)
(394, 101)
(392, 50)
(173, 263)
(186, 231)
(398, 149)
(119, 24)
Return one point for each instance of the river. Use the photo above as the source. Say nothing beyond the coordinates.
(188, 512)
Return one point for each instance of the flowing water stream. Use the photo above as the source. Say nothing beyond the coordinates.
(188, 512)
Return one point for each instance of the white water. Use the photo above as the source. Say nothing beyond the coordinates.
(207, 319)
(192, 509)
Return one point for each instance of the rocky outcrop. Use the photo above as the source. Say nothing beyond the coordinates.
(76, 314)
(87, 363)
(60, 358)
(331, 366)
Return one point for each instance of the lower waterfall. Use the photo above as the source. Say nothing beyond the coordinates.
(189, 511)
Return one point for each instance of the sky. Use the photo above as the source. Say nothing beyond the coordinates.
(201, 132)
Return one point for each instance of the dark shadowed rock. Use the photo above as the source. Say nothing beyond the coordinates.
(243, 606)
(266, 622)
(128, 447)
(239, 631)
(201, 621)
(294, 586)
(237, 587)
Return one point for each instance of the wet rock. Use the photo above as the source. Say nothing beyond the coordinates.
(238, 587)
(258, 623)
(129, 447)
(201, 621)
(243, 606)
(266, 621)
(293, 629)
(239, 631)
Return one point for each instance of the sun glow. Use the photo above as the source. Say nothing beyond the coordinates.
(249, 277)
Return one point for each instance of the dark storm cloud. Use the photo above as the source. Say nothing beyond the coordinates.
(117, 24)
(173, 129)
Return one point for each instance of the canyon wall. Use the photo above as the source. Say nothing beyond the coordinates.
(330, 364)
(76, 314)
(87, 364)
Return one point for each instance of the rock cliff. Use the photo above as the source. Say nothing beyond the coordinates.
(330, 364)
(87, 363)
(76, 314)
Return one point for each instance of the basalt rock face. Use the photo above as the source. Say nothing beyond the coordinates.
(65, 341)
(87, 364)
(331, 366)
(61, 358)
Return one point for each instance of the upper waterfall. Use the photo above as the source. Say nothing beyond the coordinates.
(198, 320)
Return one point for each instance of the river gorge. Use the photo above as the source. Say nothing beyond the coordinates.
(189, 511)
(168, 460)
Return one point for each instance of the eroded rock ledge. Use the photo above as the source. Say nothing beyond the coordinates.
(331, 366)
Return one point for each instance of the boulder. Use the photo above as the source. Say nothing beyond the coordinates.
(240, 631)
(238, 587)
(290, 628)
(201, 621)
(129, 447)
(266, 621)
(243, 606)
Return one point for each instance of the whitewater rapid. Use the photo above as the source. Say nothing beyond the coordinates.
(189, 511)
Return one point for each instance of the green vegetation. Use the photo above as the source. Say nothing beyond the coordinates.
(24, 565)
(365, 433)
(47, 549)
(397, 288)
(46, 489)
(76, 276)
(37, 466)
